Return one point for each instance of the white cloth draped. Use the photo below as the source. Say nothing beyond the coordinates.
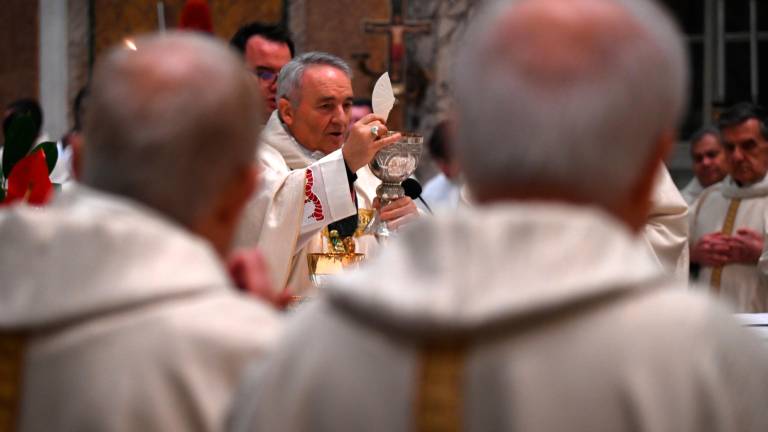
(567, 322)
(131, 322)
(691, 191)
(666, 231)
(442, 193)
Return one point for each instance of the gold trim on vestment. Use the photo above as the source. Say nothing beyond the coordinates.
(11, 366)
(730, 221)
(438, 404)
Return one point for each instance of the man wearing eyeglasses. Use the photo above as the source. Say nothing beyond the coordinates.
(266, 49)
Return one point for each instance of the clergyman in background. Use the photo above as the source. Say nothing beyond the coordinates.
(266, 48)
(728, 221)
(709, 162)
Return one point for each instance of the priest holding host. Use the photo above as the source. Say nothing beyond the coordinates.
(314, 170)
(539, 309)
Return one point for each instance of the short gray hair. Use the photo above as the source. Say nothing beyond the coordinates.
(701, 133)
(170, 124)
(582, 120)
(289, 80)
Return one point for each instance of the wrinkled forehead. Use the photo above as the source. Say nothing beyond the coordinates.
(324, 81)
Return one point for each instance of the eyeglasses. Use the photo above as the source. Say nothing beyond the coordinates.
(265, 74)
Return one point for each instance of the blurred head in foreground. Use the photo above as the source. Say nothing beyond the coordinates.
(583, 112)
(172, 125)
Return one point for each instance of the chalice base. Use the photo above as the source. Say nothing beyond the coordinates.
(386, 192)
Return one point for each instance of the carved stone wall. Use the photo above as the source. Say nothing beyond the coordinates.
(431, 57)
(337, 27)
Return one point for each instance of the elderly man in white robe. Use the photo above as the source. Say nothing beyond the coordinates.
(539, 310)
(315, 170)
(729, 219)
(116, 311)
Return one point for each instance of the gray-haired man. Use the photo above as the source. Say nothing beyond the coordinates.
(116, 311)
(314, 168)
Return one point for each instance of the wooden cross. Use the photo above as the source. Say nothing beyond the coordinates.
(397, 27)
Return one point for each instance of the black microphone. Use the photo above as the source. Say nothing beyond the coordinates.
(413, 191)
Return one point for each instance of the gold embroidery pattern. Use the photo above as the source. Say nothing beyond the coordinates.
(11, 358)
(439, 396)
(730, 221)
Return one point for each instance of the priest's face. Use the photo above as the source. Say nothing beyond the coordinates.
(320, 118)
(264, 59)
(746, 150)
(709, 163)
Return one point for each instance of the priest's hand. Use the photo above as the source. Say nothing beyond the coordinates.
(362, 144)
(712, 250)
(248, 271)
(745, 246)
(398, 212)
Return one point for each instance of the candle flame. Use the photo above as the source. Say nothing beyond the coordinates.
(129, 44)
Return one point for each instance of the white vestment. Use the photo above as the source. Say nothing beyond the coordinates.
(666, 231)
(744, 285)
(128, 322)
(691, 191)
(300, 194)
(579, 330)
(442, 193)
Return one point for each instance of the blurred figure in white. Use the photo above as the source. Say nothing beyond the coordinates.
(539, 309)
(443, 191)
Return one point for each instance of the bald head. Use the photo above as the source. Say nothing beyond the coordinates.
(170, 124)
(567, 96)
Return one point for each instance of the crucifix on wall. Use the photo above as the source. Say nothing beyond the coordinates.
(397, 27)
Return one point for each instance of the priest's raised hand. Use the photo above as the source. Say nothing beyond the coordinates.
(366, 137)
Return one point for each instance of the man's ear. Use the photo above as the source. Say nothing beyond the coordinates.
(285, 109)
(641, 195)
(76, 141)
(241, 191)
(220, 223)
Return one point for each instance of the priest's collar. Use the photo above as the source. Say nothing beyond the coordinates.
(314, 156)
(731, 189)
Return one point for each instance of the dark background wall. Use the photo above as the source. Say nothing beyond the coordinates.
(18, 50)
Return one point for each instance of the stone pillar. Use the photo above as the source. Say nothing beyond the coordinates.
(78, 46)
(53, 62)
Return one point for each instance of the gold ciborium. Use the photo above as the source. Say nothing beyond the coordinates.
(324, 265)
(341, 256)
